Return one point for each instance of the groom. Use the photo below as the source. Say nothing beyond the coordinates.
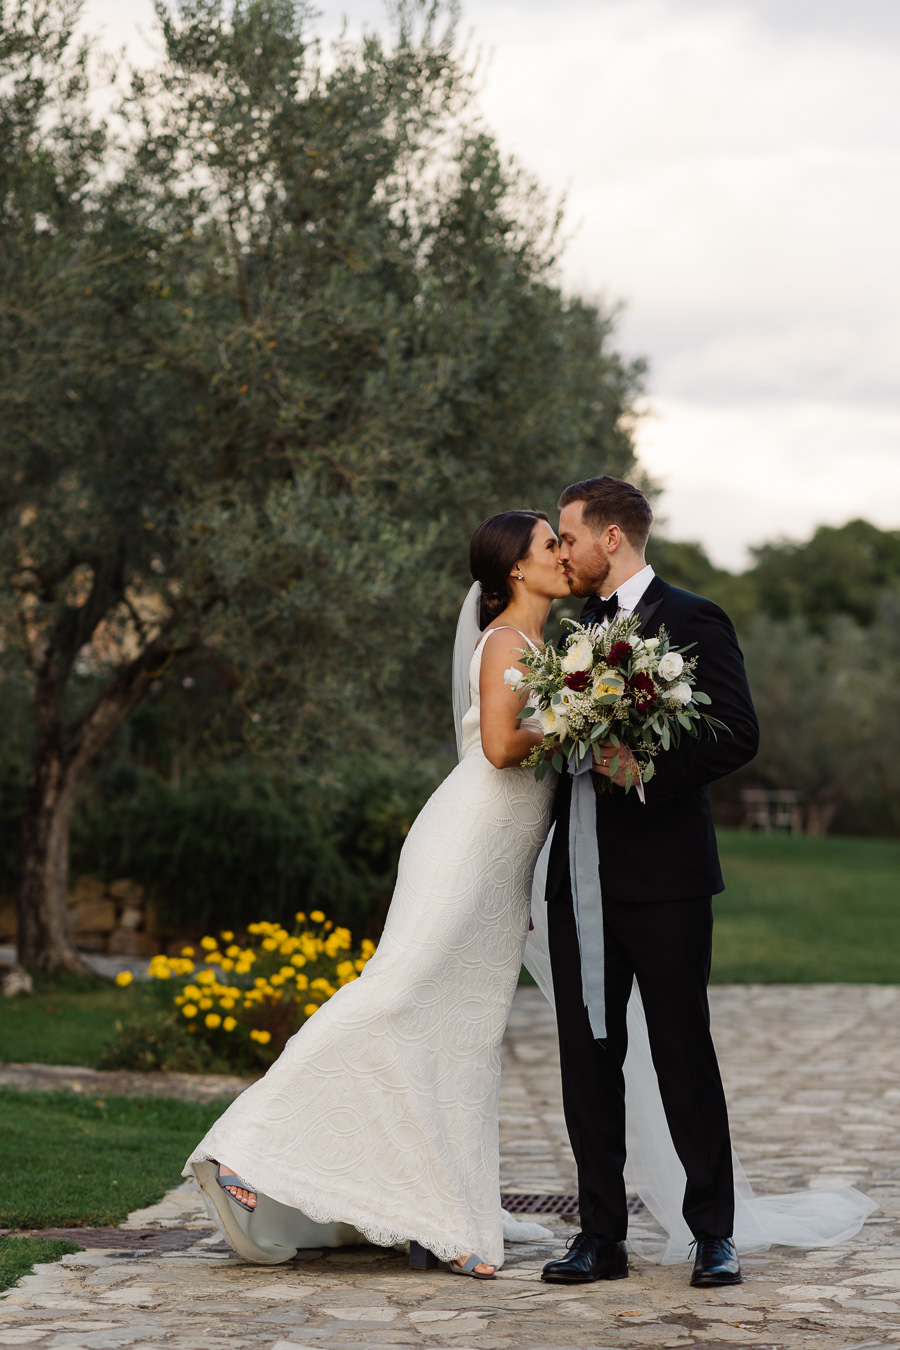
(658, 872)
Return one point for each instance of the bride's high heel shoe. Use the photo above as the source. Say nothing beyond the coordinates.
(420, 1258)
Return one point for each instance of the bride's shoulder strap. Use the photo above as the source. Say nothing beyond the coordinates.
(501, 628)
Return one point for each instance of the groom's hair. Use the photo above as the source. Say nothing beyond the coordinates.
(612, 501)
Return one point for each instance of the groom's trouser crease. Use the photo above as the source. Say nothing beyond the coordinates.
(666, 946)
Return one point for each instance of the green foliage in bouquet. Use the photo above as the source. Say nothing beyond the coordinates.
(611, 686)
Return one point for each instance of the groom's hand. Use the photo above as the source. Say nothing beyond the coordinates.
(626, 770)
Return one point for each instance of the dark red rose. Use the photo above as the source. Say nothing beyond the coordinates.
(641, 689)
(619, 652)
(578, 680)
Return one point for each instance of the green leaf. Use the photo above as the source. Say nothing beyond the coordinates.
(558, 762)
(700, 697)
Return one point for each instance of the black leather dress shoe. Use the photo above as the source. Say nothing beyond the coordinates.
(716, 1262)
(589, 1259)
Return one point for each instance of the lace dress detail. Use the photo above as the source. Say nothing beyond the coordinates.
(380, 1116)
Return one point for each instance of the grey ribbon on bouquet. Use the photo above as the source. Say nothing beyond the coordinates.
(587, 902)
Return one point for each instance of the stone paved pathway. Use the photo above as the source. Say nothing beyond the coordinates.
(812, 1077)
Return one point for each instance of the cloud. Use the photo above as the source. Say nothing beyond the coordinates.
(744, 473)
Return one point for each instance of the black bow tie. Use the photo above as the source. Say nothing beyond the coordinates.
(596, 610)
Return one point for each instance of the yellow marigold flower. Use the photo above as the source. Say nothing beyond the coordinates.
(329, 925)
(124, 978)
(317, 916)
(286, 947)
(181, 967)
(226, 963)
(205, 1003)
(331, 948)
(227, 936)
(254, 928)
(260, 982)
(345, 969)
(190, 1010)
(344, 937)
(360, 964)
(214, 958)
(213, 1020)
(229, 1024)
(187, 951)
(348, 979)
(206, 977)
(191, 991)
(242, 967)
(263, 1037)
(300, 916)
(287, 972)
(298, 960)
(310, 1008)
(301, 980)
(179, 999)
(269, 944)
(226, 1003)
(208, 944)
(323, 986)
(232, 952)
(367, 948)
(276, 981)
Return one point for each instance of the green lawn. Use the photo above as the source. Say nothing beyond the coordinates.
(69, 1020)
(71, 1160)
(804, 910)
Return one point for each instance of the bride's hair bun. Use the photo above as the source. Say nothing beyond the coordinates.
(497, 545)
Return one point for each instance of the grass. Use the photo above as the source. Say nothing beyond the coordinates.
(70, 1019)
(18, 1255)
(802, 910)
(71, 1160)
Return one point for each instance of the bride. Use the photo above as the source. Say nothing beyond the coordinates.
(380, 1117)
(378, 1121)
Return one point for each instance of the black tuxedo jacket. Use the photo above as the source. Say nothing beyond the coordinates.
(666, 849)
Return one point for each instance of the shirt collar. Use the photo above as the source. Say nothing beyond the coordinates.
(630, 591)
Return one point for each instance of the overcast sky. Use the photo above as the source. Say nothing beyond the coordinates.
(732, 174)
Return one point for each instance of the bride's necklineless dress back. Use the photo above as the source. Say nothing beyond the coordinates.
(380, 1117)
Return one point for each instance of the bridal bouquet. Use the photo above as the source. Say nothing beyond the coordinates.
(610, 684)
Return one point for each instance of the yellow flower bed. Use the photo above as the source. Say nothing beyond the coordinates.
(264, 988)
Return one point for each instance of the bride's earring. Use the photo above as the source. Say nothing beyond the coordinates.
(519, 577)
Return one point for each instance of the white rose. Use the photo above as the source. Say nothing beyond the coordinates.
(671, 666)
(513, 677)
(580, 656)
(606, 683)
(551, 723)
(651, 644)
(680, 693)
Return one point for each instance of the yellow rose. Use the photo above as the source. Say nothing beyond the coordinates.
(124, 978)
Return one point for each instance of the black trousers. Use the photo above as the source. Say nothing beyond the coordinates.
(666, 946)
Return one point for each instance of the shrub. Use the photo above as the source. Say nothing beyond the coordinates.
(233, 1005)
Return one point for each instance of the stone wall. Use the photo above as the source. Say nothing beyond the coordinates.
(113, 917)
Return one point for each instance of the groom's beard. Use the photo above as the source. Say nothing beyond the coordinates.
(582, 585)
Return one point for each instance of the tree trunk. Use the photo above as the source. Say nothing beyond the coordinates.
(45, 941)
(61, 757)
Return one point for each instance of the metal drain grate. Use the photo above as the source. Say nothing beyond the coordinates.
(517, 1203)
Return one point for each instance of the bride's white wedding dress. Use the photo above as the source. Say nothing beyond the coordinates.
(380, 1117)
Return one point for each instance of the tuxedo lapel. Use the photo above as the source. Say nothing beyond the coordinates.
(650, 601)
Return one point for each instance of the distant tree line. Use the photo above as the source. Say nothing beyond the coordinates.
(819, 622)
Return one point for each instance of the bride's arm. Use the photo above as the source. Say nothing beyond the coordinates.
(503, 738)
